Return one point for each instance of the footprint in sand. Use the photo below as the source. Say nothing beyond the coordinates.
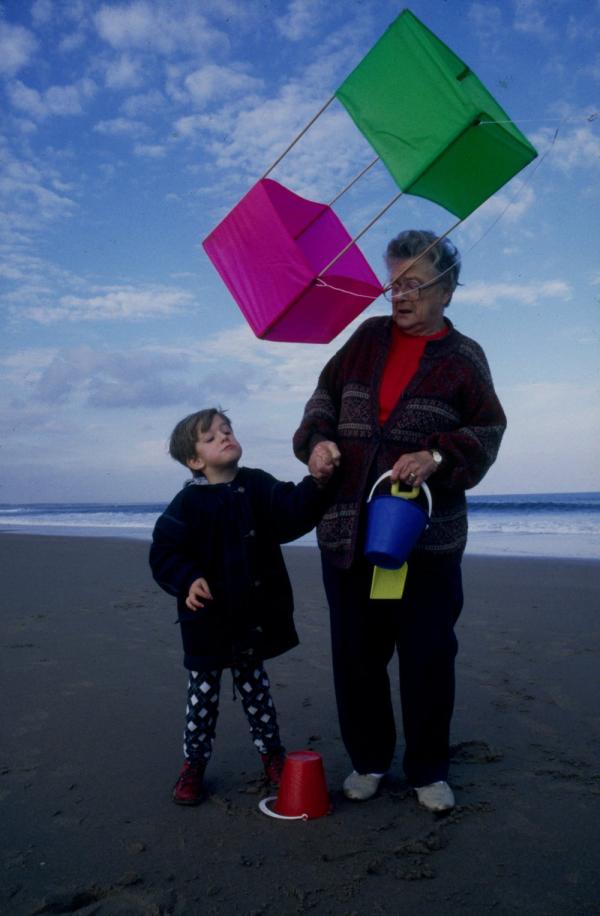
(474, 752)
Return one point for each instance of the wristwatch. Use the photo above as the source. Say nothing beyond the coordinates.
(436, 456)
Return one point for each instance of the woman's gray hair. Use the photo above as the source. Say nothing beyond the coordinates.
(443, 255)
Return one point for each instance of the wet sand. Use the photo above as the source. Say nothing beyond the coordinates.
(93, 697)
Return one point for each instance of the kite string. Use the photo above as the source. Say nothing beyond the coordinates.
(593, 116)
(338, 289)
(524, 183)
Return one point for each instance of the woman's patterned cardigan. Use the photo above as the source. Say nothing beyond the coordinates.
(449, 404)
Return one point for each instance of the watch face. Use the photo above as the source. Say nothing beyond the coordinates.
(436, 456)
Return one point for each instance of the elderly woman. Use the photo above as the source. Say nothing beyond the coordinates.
(411, 394)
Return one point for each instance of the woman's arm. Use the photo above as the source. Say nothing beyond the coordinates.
(469, 451)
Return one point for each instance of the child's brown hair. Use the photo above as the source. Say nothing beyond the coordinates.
(182, 444)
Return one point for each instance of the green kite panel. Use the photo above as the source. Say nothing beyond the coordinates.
(421, 108)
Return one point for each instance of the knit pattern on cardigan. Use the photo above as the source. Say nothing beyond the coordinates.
(450, 404)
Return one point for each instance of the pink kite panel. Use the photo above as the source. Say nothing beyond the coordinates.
(269, 251)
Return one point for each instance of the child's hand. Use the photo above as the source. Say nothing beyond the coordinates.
(198, 589)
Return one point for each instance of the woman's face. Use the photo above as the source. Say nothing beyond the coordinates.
(418, 311)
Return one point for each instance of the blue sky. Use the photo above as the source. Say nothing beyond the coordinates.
(130, 129)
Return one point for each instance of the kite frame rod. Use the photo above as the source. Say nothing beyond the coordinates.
(354, 180)
(301, 134)
(360, 234)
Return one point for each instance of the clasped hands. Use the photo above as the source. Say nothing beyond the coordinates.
(324, 459)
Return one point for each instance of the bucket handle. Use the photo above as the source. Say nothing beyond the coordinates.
(264, 807)
(410, 495)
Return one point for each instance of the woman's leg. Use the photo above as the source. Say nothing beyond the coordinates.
(362, 644)
(427, 649)
(201, 715)
(254, 688)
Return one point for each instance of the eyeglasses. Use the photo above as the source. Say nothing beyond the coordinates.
(409, 288)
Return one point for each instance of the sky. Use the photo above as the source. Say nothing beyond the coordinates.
(130, 129)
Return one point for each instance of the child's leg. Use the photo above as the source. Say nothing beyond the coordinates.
(253, 685)
(201, 715)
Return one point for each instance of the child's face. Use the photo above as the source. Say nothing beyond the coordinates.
(217, 451)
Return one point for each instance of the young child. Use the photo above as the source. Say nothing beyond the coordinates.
(216, 548)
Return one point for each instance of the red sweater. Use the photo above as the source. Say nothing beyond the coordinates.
(401, 364)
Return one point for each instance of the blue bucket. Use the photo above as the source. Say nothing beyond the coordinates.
(394, 525)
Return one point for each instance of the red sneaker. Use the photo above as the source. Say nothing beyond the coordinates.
(273, 763)
(188, 788)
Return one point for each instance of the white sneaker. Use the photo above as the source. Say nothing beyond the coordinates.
(437, 796)
(361, 786)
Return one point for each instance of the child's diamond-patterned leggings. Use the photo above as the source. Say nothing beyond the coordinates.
(203, 709)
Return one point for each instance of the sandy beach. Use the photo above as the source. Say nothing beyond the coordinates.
(93, 698)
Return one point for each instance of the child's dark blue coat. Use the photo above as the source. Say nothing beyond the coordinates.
(229, 534)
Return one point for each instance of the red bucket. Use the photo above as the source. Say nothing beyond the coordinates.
(303, 789)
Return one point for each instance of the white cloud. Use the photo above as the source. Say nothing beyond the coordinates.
(213, 82)
(72, 41)
(486, 20)
(303, 18)
(143, 103)
(559, 414)
(31, 194)
(530, 17)
(572, 148)
(111, 379)
(125, 303)
(17, 47)
(157, 27)
(490, 294)
(41, 12)
(511, 203)
(245, 138)
(56, 100)
(25, 366)
(150, 150)
(593, 69)
(121, 127)
(123, 72)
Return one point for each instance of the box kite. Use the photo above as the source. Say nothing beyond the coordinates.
(291, 266)
(271, 249)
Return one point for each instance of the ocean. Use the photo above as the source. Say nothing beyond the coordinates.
(540, 524)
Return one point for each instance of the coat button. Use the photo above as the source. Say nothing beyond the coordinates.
(241, 489)
(257, 583)
(251, 533)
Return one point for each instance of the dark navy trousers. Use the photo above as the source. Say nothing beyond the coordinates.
(365, 633)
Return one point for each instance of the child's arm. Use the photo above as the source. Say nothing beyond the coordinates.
(173, 563)
(294, 509)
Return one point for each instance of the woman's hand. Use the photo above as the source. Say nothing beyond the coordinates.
(324, 459)
(414, 468)
(198, 589)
